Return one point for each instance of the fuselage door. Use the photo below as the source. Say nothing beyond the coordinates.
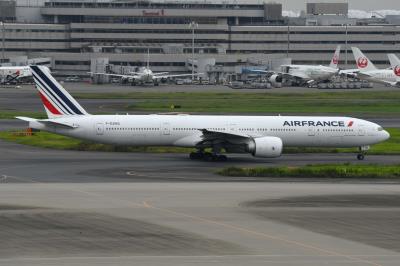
(166, 129)
(361, 131)
(99, 129)
(232, 128)
(311, 131)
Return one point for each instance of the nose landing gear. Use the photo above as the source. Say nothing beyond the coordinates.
(362, 151)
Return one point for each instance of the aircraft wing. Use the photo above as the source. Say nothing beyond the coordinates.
(230, 141)
(296, 75)
(116, 75)
(174, 76)
(160, 73)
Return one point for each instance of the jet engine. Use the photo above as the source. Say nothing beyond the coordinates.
(275, 78)
(266, 147)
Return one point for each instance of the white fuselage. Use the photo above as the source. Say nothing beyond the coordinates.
(311, 72)
(185, 130)
(379, 76)
(11, 71)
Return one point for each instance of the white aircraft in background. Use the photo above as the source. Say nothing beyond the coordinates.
(9, 74)
(395, 63)
(261, 136)
(305, 74)
(367, 70)
(145, 75)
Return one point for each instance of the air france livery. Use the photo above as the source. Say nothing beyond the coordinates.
(261, 136)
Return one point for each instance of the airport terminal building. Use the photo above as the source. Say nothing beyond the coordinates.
(75, 33)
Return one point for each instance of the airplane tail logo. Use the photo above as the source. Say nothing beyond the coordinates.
(362, 62)
(56, 100)
(335, 60)
(397, 70)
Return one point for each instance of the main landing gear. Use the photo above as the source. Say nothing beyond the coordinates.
(362, 151)
(207, 156)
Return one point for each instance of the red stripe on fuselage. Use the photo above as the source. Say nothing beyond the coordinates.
(48, 105)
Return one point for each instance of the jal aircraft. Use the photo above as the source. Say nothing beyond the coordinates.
(145, 75)
(395, 64)
(367, 70)
(14, 73)
(307, 74)
(261, 136)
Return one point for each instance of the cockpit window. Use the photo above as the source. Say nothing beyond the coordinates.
(380, 129)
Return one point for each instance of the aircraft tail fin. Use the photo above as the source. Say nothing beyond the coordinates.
(56, 100)
(335, 59)
(363, 62)
(395, 64)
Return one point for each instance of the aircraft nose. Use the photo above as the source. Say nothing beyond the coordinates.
(385, 135)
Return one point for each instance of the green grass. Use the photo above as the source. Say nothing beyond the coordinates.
(12, 114)
(385, 103)
(50, 140)
(317, 171)
(54, 141)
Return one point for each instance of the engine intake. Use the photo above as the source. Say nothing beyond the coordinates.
(276, 79)
(266, 147)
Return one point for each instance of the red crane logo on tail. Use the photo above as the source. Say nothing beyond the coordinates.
(397, 70)
(335, 59)
(362, 62)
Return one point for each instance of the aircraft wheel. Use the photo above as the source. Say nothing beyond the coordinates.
(196, 155)
(360, 157)
(222, 158)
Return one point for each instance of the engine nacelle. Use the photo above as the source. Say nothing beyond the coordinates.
(266, 147)
(276, 79)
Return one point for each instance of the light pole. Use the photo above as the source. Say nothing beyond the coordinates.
(346, 41)
(3, 31)
(288, 40)
(193, 25)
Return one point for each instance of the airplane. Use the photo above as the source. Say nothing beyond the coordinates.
(145, 75)
(367, 70)
(305, 74)
(261, 136)
(395, 64)
(10, 74)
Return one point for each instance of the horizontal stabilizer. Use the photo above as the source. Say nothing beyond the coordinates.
(27, 119)
(47, 122)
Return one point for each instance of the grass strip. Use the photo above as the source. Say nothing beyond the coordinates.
(355, 103)
(6, 114)
(317, 171)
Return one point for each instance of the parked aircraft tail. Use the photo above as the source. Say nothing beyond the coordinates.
(335, 59)
(56, 100)
(395, 64)
(362, 62)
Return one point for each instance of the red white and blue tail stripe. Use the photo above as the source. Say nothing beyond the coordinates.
(56, 100)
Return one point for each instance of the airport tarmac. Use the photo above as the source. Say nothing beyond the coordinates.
(98, 208)
(95, 208)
